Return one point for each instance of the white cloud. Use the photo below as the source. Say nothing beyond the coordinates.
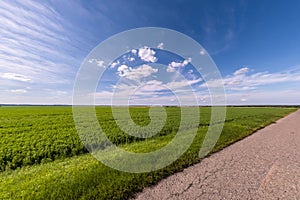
(36, 21)
(241, 71)
(265, 97)
(136, 73)
(14, 76)
(261, 87)
(147, 54)
(134, 97)
(241, 80)
(37, 46)
(103, 94)
(160, 45)
(114, 64)
(173, 65)
(180, 64)
(264, 87)
(202, 52)
(244, 89)
(99, 63)
(123, 70)
(186, 61)
(134, 51)
(153, 86)
(171, 69)
(131, 59)
(19, 91)
(183, 83)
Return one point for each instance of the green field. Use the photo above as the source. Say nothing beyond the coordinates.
(42, 156)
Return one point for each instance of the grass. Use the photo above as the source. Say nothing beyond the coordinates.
(41, 134)
(83, 177)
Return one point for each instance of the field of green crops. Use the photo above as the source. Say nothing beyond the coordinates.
(42, 156)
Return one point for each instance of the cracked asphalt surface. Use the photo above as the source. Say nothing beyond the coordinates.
(265, 165)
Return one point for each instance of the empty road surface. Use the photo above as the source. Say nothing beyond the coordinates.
(265, 165)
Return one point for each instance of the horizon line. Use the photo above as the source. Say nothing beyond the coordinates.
(136, 105)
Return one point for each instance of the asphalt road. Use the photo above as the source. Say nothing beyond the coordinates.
(265, 165)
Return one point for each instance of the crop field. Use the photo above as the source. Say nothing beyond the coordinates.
(42, 156)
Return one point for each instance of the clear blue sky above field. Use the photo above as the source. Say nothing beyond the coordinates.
(255, 44)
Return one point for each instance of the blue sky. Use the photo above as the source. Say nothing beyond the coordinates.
(255, 45)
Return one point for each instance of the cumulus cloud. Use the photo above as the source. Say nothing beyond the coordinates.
(136, 73)
(186, 62)
(160, 45)
(14, 76)
(243, 86)
(114, 64)
(99, 63)
(173, 65)
(180, 64)
(190, 71)
(147, 54)
(171, 69)
(202, 52)
(134, 51)
(123, 70)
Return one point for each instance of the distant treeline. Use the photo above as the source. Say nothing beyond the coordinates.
(32, 105)
(282, 106)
